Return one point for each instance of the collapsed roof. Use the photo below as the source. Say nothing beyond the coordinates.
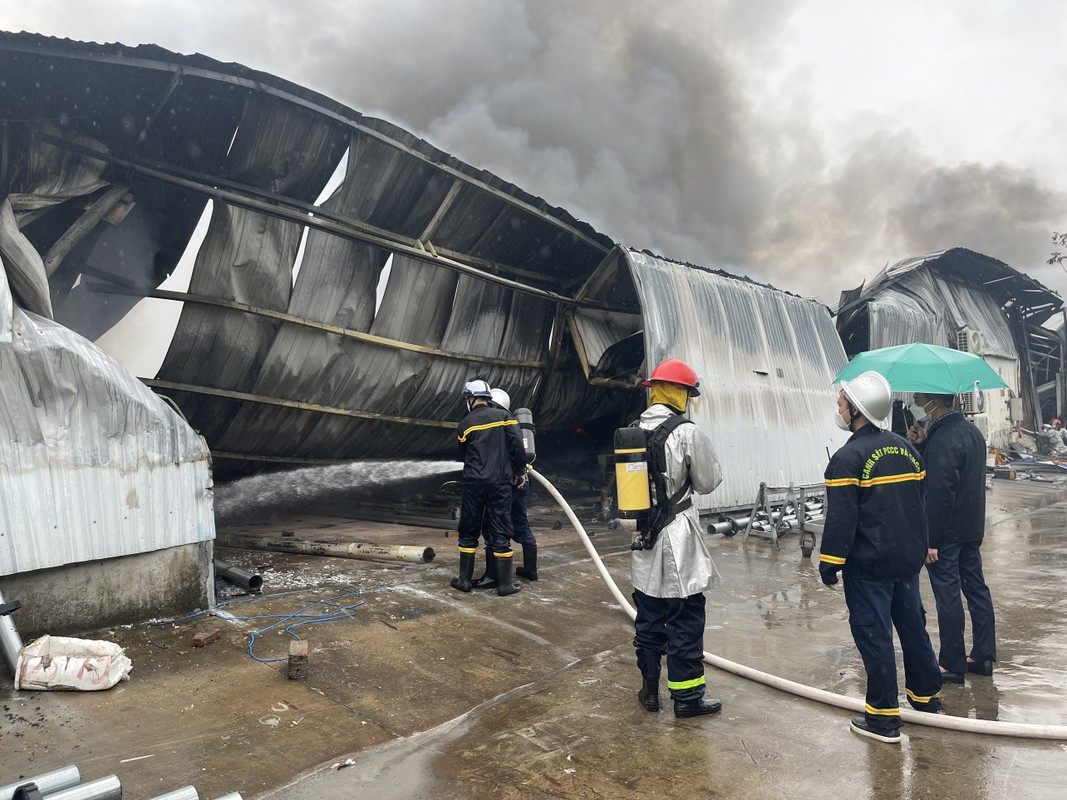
(331, 324)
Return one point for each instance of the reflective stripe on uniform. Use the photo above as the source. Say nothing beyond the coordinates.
(882, 712)
(486, 426)
(842, 481)
(508, 554)
(907, 476)
(679, 685)
(828, 559)
(884, 479)
(918, 698)
(468, 549)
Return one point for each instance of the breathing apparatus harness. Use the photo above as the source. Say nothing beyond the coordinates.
(645, 505)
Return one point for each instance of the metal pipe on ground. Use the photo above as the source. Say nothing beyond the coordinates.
(231, 796)
(237, 576)
(10, 641)
(107, 788)
(46, 783)
(356, 550)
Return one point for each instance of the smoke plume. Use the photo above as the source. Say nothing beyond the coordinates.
(675, 127)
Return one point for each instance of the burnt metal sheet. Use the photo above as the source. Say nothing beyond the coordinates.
(92, 464)
(765, 359)
(258, 384)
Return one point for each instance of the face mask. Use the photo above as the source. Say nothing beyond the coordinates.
(919, 412)
(840, 422)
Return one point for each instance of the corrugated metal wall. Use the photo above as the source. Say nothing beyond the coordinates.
(92, 463)
(765, 359)
(923, 307)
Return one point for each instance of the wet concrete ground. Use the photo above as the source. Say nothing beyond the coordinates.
(425, 692)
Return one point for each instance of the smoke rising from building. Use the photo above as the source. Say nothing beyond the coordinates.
(673, 127)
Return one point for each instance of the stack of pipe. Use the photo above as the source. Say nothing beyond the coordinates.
(728, 526)
(65, 784)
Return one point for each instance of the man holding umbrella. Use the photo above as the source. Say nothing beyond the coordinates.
(954, 452)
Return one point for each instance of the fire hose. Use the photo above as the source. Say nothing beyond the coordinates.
(991, 727)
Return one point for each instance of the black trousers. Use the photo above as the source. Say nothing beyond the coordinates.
(671, 626)
(959, 567)
(875, 608)
(520, 522)
(485, 508)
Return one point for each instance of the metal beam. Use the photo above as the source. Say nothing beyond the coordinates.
(348, 333)
(248, 397)
(313, 217)
(82, 227)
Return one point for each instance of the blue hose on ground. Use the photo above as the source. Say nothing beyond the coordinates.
(991, 727)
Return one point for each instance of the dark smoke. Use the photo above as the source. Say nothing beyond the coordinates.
(664, 125)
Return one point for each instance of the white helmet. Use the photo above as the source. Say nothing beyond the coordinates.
(501, 398)
(871, 395)
(476, 388)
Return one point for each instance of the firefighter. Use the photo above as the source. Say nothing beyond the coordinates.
(520, 523)
(494, 460)
(875, 534)
(671, 577)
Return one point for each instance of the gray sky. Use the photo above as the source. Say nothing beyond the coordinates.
(805, 143)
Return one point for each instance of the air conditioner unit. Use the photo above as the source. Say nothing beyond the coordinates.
(972, 402)
(970, 341)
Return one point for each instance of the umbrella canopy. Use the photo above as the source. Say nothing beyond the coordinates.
(925, 368)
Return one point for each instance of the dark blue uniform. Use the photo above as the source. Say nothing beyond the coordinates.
(492, 452)
(875, 533)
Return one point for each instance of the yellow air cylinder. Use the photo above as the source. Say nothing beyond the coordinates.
(631, 476)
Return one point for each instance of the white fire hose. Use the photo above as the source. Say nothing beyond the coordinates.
(992, 727)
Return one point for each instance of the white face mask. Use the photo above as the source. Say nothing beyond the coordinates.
(840, 422)
(919, 412)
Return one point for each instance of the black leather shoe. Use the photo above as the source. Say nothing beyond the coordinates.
(951, 677)
(980, 667)
(696, 708)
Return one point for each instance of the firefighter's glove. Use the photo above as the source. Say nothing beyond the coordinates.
(828, 573)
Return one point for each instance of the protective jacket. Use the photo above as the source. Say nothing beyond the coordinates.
(954, 455)
(875, 521)
(679, 564)
(490, 446)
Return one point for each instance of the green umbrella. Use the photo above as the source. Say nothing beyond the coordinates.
(925, 368)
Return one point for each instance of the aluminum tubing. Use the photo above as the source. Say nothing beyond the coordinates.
(184, 793)
(237, 576)
(107, 788)
(231, 796)
(47, 783)
(10, 642)
(1024, 730)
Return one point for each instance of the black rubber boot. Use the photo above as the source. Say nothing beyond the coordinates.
(528, 569)
(696, 708)
(648, 694)
(466, 572)
(488, 580)
(505, 582)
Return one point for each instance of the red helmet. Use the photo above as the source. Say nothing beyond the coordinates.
(674, 371)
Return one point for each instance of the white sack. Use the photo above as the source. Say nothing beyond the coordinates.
(55, 663)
